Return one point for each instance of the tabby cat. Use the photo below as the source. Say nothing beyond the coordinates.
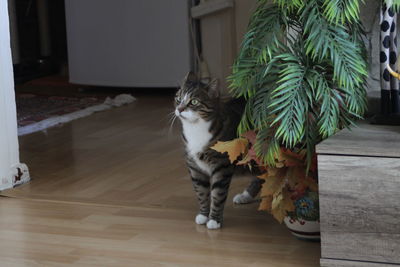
(206, 118)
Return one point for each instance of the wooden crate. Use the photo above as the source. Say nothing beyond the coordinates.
(359, 180)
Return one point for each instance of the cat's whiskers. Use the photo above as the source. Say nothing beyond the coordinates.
(167, 119)
(171, 122)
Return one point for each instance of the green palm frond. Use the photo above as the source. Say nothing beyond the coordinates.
(288, 101)
(302, 68)
(341, 11)
(395, 4)
(289, 4)
(261, 43)
(267, 147)
(329, 115)
(324, 40)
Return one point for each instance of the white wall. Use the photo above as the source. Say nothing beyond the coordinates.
(9, 155)
(133, 43)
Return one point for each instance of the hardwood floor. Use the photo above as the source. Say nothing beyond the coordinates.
(112, 190)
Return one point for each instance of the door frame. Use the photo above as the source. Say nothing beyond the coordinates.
(12, 171)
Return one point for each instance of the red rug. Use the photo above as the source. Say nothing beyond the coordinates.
(33, 108)
(50, 101)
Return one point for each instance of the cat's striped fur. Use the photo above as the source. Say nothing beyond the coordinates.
(206, 119)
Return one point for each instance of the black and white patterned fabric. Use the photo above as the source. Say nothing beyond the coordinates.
(388, 55)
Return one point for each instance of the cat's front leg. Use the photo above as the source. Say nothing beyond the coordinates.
(219, 192)
(201, 185)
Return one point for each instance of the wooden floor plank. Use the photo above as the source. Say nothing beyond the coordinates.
(112, 190)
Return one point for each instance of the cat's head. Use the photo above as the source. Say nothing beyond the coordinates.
(196, 99)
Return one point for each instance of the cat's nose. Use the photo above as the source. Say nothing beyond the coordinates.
(180, 109)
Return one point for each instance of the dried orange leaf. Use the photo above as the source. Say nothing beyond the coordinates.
(251, 136)
(279, 165)
(295, 175)
(311, 183)
(265, 203)
(264, 175)
(245, 161)
(234, 148)
(281, 205)
(273, 185)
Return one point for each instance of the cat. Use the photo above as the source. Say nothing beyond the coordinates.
(206, 118)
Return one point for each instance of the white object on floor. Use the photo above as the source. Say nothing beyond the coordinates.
(109, 103)
(243, 198)
(119, 100)
(20, 174)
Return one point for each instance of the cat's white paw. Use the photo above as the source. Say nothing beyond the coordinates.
(201, 219)
(212, 224)
(243, 198)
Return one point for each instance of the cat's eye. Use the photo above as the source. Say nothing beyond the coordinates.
(194, 102)
(178, 99)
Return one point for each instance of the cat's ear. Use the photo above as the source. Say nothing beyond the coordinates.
(212, 88)
(189, 78)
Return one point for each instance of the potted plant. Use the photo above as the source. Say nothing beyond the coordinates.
(302, 69)
(289, 191)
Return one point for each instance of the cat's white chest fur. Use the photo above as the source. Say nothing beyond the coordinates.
(198, 137)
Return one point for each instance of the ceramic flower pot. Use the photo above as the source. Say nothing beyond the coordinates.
(304, 221)
(302, 229)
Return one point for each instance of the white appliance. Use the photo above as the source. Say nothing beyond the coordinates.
(128, 43)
